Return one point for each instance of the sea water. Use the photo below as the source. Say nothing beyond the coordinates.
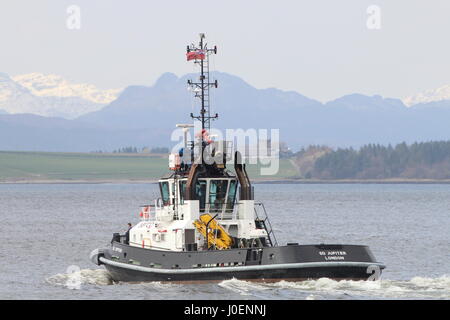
(48, 230)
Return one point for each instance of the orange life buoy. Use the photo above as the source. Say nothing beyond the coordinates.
(144, 212)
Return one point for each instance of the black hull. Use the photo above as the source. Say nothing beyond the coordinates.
(335, 272)
(294, 262)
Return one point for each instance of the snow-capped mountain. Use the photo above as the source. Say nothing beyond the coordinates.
(51, 95)
(9, 90)
(53, 85)
(439, 94)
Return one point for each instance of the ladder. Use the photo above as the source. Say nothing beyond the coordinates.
(206, 93)
(264, 219)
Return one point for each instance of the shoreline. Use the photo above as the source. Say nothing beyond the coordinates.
(254, 181)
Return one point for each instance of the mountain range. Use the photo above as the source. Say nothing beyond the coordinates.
(51, 96)
(431, 95)
(83, 118)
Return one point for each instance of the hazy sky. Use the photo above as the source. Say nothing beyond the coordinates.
(322, 49)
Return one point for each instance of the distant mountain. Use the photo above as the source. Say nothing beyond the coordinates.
(432, 95)
(350, 120)
(30, 132)
(441, 104)
(56, 86)
(360, 102)
(168, 102)
(50, 95)
(146, 116)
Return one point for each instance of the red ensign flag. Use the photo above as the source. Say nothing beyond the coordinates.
(195, 55)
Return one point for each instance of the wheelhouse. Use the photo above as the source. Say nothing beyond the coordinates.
(215, 195)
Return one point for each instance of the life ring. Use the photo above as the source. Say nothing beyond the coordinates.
(145, 212)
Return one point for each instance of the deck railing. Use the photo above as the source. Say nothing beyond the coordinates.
(261, 215)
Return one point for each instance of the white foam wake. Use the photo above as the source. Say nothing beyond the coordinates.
(243, 287)
(77, 278)
(417, 287)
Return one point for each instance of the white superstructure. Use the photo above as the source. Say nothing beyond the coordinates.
(168, 224)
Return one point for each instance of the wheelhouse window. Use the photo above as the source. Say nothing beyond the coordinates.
(217, 194)
(200, 193)
(165, 196)
(231, 195)
(182, 191)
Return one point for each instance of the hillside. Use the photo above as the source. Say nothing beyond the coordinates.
(94, 167)
(426, 160)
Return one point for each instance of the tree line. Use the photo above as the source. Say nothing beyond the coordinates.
(132, 149)
(425, 160)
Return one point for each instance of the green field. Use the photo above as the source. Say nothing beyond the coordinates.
(67, 167)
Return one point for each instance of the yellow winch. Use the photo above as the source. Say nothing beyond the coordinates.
(216, 234)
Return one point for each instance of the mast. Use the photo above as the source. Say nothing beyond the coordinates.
(200, 55)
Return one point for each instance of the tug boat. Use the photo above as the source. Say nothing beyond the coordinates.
(206, 225)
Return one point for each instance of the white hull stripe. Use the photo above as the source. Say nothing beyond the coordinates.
(242, 268)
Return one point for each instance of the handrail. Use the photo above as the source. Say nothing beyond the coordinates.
(268, 227)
